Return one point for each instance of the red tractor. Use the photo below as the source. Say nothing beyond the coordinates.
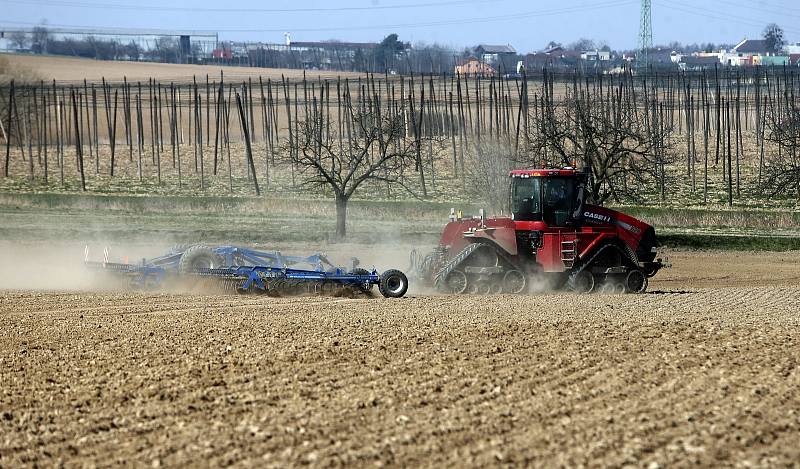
(552, 238)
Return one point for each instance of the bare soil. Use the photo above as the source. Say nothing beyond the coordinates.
(702, 370)
(73, 69)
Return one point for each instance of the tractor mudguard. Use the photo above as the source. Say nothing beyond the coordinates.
(504, 238)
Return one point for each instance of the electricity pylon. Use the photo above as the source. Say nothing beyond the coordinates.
(645, 35)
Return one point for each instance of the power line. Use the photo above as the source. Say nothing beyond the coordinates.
(483, 19)
(760, 8)
(716, 15)
(121, 6)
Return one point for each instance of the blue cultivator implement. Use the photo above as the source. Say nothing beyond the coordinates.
(244, 270)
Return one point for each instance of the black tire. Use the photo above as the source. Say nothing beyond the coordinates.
(199, 257)
(582, 281)
(393, 284)
(636, 281)
(366, 286)
(179, 248)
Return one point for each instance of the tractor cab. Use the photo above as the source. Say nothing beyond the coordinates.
(552, 196)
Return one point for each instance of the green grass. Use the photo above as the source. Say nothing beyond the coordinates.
(720, 217)
(729, 243)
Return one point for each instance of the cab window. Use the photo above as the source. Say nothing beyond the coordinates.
(558, 200)
(526, 199)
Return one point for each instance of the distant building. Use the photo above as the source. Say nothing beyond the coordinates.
(8, 44)
(473, 66)
(558, 57)
(751, 52)
(346, 47)
(718, 56)
(751, 47)
(596, 55)
(494, 54)
(553, 50)
(696, 62)
(222, 53)
(322, 55)
(538, 60)
(502, 59)
(770, 60)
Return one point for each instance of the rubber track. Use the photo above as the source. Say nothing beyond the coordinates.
(454, 262)
(464, 255)
(584, 265)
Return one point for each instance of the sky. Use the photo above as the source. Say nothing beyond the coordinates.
(526, 25)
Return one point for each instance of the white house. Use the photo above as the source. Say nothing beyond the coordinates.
(596, 55)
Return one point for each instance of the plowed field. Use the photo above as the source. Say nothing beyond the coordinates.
(703, 369)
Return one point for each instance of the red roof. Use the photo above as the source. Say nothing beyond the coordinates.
(466, 60)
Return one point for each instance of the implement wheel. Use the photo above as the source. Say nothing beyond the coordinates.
(366, 286)
(199, 257)
(393, 284)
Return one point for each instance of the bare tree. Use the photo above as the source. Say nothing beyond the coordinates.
(489, 165)
(782, 168)
(623, 146)
(773, 35)
(341, 155)
(19, 39)
(582, 44)
(166, 49)
(41, 37)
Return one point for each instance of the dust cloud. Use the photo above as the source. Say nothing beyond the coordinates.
(60, 267)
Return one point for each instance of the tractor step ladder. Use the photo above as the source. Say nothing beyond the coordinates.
(568, 252)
